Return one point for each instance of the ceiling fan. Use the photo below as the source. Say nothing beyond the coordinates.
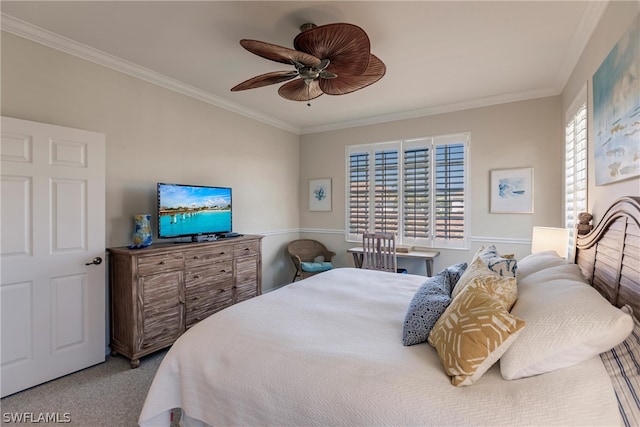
(334, 59)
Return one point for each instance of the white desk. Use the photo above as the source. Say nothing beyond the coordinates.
(427, 256)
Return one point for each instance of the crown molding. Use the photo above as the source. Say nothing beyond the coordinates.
(430, 111)
(55, 41)
(590, 18)
(588, 22)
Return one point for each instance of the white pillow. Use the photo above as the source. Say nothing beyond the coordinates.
(558, 272)
(567, 320)
(538, 261)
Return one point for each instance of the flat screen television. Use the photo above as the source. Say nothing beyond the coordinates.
(193, 210)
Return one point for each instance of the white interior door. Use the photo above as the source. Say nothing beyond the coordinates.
(52, 228)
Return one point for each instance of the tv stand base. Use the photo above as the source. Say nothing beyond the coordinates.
(209, 238)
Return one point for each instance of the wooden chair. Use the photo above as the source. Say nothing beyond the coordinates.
(379, 252)
(304, 254)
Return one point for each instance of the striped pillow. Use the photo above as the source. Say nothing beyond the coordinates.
(623, 365)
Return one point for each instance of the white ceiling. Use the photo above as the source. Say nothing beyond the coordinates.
(440, 55)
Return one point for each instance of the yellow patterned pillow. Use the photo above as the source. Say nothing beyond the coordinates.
(477, 268)
(502, 289)
(473, 333)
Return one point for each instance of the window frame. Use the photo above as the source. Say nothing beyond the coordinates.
(576, 157)
(402, 146)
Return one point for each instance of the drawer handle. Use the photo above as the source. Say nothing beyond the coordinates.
(220, 291)
(223, 271)
(161, 262)
(195, 257)
(247, 249)
(196, 277)
(196, 297)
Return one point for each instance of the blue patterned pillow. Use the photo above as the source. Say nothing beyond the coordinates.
(455, 272)
(427, 305)
(504, 265)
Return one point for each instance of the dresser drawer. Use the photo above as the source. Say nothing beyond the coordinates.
(161, 262)
(246, 249)
(199, 276)
(203, 301)
(196, 257)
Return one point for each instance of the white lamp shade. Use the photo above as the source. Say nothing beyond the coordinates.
(550, 239)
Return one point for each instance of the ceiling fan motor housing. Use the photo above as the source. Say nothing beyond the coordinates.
(307, 26)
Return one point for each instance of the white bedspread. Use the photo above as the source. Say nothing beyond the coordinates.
(328, 351)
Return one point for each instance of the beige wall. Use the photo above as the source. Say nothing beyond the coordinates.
(614, 22)
(520, 134)
(154, 134)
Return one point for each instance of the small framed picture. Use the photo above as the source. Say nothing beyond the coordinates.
(320, 194)
(512, 190)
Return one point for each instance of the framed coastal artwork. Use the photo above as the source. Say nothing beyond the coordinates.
(320, 194)
(616, 110)
(512, 190)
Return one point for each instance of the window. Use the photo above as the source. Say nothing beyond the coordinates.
(415, 189)
(575, 196)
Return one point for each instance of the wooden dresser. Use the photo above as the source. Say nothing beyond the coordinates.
(160, 291)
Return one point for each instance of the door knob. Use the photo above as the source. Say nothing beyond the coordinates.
(97, 261)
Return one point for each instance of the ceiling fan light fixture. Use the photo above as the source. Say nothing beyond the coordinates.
(313, 73)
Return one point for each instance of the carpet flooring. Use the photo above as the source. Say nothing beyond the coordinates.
(109, 394)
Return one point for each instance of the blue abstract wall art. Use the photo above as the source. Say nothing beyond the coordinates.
(616, 110)
(320, 194)
(512, 190)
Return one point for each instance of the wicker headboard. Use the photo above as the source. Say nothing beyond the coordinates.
(609, 256)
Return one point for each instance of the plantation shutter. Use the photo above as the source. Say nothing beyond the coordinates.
(575, 164)
(449, 191)
(415, 189)
(386, 191)
(358, 195)
(416, 193)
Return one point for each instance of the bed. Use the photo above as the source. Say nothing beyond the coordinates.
(328, 350)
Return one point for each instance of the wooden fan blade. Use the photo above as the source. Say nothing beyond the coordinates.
(298, 90)
(346, 83)
(347, 46)
(278, 53)
(265, 80)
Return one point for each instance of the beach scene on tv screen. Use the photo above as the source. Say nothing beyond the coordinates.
(186, 210)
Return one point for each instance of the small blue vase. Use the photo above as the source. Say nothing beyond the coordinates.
(142, 236)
